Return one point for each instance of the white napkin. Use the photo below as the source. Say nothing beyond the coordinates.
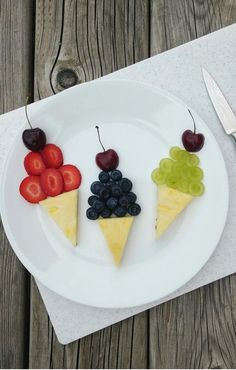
(179, 72)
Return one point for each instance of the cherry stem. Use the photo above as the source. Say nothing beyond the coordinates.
(26, 113)
(99, 138)
(193, 121)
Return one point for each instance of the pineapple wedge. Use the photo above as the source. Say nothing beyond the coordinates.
(63, 210)
(116, 232)
(170, 203)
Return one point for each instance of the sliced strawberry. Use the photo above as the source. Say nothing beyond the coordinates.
(51, 181)
(71, 176)
(52, 156)
(31, 190)
(34, 164)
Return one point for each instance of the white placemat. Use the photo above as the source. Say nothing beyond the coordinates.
(179, 72)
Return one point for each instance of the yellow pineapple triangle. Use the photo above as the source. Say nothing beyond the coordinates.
(116, 232)
(170, 203)
(63, 210)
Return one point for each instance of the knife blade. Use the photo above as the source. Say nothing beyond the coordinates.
(222, 107)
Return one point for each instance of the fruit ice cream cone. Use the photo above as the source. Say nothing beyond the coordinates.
(63, 211)
(116, 231)
(179, 180)
(113, 203)
(170, 203)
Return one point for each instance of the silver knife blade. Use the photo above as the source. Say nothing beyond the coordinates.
(220, 104)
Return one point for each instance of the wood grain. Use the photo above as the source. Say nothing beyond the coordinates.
(90, 39)
(173, 23)
(196, 330)
(16, 72)
(16, 77)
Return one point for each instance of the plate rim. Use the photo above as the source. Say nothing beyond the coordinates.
(30, 267)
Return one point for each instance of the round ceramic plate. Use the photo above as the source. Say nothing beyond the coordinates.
(141, 123)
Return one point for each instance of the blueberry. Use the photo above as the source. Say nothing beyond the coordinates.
(126, 185)
(123, 201)
(116, 175)
(134, 209)
(106, 213)
(92, 199)
(91, 214)
(112, 203)
(104, 177)
(120, 211)
(131, 197)
(104, 193)
(98, 205)
(109, 184)
(116, 191)
(96, 187)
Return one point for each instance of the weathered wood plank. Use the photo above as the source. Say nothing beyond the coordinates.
(48, 30)
(77, 41)
(173, 23)
(16, 78)
(16, 28)
(90, 39)
(196, 330)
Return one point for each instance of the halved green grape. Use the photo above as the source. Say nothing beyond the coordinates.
(174, 152)
(177, 168)
(193, 160)
(184, 172)
(182, 156)
(196, 189)
(183, 185)
(158, 177)
(195, 173)
(166, 165)
(172, 181)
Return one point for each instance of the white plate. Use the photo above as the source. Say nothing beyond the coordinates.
(141, 123)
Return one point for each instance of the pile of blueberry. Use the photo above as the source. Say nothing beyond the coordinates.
(112, 195)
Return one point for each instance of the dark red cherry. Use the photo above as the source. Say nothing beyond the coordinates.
(192, 141)
(107, 160)
(33, 138)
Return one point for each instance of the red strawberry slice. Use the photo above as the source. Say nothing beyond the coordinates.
(34, 164)
(31, 190)
(52, 156)
(51, 181)
(71, 176)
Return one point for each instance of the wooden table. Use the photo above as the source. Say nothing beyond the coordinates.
(45, 47)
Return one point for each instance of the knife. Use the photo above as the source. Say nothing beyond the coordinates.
(222, 107)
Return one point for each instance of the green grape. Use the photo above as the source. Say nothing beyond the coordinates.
(182, 156)
(166, 165)
(158, 177)
(177, 168)
(183, 186)
(184, 172)
(193, 160)
(195, 173)
(172, 181)
(174, 152)
(196, 189)
(153, 174)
